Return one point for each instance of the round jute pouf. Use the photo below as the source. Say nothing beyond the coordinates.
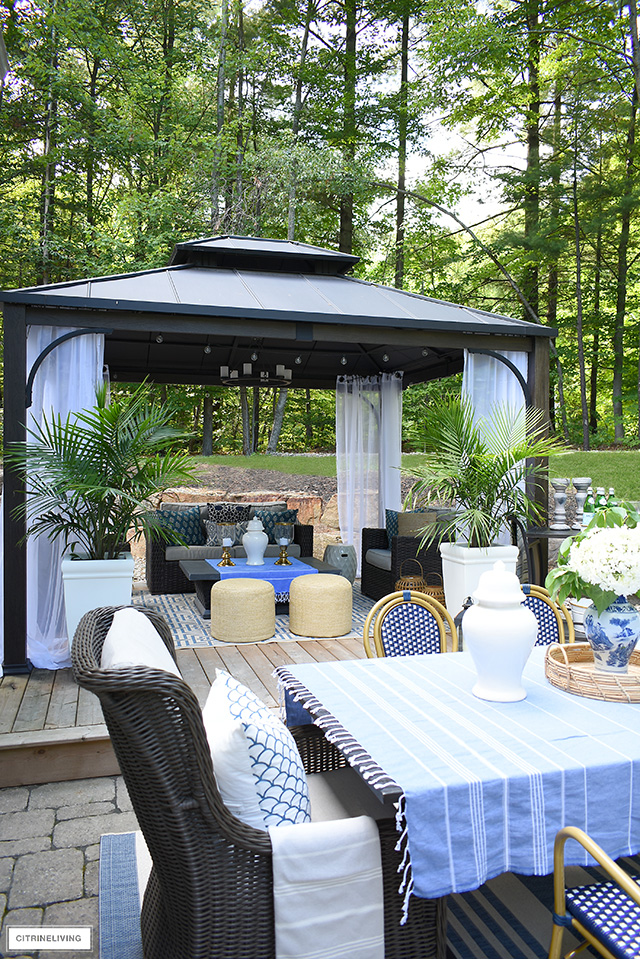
(320, 605)
(243, 610)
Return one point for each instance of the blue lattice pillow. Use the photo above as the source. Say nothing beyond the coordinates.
(217, 532)
(185, 522)
(270, 518)
(280, 779)
(228, 512)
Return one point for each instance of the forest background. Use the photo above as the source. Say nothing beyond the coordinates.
(378, 127)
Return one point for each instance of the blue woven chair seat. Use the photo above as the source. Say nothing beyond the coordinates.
(609, 914)
(409, 629)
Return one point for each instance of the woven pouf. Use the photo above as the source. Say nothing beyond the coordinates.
(243, 610)
(320, 605)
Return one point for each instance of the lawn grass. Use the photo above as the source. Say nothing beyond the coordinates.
(617, 468)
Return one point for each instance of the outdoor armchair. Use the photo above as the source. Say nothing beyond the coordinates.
(210, 893)
(381, 569)
(554, 620)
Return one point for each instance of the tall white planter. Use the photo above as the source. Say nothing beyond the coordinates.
(90, 583)
(462, 567)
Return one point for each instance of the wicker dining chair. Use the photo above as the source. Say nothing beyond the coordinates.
(554, 619)
(210, 892)
(407, 623)
(606, 915)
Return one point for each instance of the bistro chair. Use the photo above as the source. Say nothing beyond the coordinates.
(210, 891)
(605, 914)
(407, 623)
(554, 620)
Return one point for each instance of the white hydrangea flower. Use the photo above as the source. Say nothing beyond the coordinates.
(610, 559)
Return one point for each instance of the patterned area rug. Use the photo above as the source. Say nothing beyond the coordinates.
(190, 629)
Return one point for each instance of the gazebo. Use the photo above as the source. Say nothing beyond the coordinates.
(222, 301)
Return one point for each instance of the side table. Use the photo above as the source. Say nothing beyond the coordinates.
(343, 557)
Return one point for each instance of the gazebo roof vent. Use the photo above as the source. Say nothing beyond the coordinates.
(255, 253)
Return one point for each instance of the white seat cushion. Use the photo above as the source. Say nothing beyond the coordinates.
(132, 640)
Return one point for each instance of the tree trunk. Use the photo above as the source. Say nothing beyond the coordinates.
(595, 349)
(246, 422)
(308, 431)
(402, 148)
(220, 92)
(278, 418)
(622, 271)
(532, 176)
(295, 127)
(255, 424)
(207, 425)
(579, 318)
(47, 199)
(348, 124)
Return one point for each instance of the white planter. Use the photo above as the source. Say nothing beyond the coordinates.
(462, 567)
(90, 583)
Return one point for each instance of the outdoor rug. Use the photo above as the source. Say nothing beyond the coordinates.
(189, 629)
(507, 918)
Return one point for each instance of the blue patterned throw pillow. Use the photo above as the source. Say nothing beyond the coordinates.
(280, 779)
(228, 512)
(270, 518)
(185, 522)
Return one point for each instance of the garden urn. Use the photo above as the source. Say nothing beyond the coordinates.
(500, 633)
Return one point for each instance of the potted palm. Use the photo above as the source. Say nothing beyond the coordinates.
(484, 469)
(90, 479)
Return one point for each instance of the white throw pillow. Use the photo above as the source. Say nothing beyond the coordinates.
(230, 756)
(279, 780)
(132, 640)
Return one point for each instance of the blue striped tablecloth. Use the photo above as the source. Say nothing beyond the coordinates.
(486, 785)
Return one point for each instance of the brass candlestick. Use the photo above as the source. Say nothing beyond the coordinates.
(226, 557)
(283, 559)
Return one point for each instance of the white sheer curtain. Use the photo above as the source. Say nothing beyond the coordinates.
(368, 451)
(489, 382)
(65, 383)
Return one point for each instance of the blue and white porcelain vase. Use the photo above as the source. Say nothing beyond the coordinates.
(613, 635)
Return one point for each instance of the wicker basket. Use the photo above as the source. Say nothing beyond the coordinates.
(571, 667)
(420, 583)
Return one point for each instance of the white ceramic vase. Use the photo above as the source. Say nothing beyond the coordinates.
(92, 583)
(255, 542)
(500, 633)
(462, 567)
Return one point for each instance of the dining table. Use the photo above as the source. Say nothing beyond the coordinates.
(481, 788)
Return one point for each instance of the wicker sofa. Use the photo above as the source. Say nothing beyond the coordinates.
(210, 892)
(163, 559)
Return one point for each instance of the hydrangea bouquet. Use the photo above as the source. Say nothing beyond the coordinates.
(602, 562)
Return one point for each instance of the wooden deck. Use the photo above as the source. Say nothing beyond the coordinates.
(51, 730)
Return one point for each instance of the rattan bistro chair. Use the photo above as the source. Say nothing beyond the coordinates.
(554, 620)
(606, 915)
(210, 892)
(407, 623)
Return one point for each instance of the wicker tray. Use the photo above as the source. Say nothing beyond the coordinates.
(571, 667)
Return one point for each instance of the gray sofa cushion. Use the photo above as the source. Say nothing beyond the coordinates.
(381, 558)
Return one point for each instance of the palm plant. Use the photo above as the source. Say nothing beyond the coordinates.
(91, 476)
(481, 468)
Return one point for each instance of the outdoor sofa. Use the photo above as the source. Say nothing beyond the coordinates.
(163, 559)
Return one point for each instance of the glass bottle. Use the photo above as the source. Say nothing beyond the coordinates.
(589, 508)
(601, 498)
(611, 499)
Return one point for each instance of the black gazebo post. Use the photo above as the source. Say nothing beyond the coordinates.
(15, 551)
